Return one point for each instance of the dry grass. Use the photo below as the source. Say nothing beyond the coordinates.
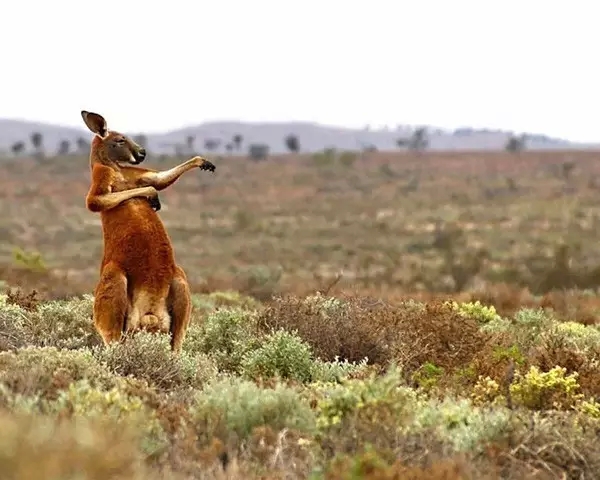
(391, 222)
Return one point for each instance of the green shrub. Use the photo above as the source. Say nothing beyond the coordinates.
(539, 390)
(44, 371)
(232, 299)
(486, 391)
(530, 323)
(324, 305)
(10, 308)
(476, 310)
(226, 335)
(285, 355)
(428, 375)
(513, 352)
(63, 324)
(149, 357)
(12, 333)
(526, 327)
(29, 260)
(499, 325)
(40, 447)
(577, 336)
(205, 303)
(337, 369)
(238, 406)
(260, 281)
(336, 401)
(82, 399)
(461, 424)
(282, 354)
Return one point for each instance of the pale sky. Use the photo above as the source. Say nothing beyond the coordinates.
(154, 66)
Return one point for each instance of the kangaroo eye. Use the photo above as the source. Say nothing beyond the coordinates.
(120, 141)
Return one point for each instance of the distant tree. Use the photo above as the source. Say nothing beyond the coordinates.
(237, 141)
(37, 141)
(82, 145)
(292, 143)
(212, 144)
(368, 148)
(189, 143)
(63, 147)
(418, 141)
(229, 147)
(17, 148)
(258, 151)
(515, 144)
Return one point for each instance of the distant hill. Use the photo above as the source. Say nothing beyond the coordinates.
(313, 137)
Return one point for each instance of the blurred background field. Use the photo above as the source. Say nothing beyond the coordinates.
(370, 314)
(387, 222)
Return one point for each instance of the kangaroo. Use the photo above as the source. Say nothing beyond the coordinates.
(140, 287)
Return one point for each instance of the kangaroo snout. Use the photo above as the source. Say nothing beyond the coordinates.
(139, 155)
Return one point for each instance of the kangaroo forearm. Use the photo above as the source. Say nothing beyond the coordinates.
(98, 203)
(166, 178)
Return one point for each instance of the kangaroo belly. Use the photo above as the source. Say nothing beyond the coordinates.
(135, 238)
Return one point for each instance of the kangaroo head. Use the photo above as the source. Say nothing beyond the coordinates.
(110, 147)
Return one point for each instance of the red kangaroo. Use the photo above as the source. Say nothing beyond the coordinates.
(140, 285)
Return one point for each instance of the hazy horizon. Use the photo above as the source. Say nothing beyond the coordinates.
(502, 65)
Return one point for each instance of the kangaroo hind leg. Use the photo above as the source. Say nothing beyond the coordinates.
(179, 304)
(110, 303)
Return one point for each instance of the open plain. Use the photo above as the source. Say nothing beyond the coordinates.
(380, 315)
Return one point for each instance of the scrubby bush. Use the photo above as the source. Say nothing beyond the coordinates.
(44, 371)
(65, 324)
(438, 334)
(233, 299)
(408, 334)
(227, 335)
(12, 334)
(36, 447)
(148, 356)
(529, 324)
(428, 375)
(337, 370)
(337, 401)
(476, 310)
(281, 354)
(233, 406)
(578, 336)
(333, 328)
(371, 464)
(539, 390)
(204, 304)
(285, 355)
(282, 389)
(462, 425)
(81, 399)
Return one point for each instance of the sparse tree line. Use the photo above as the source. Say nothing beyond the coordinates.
(36, 141)
(418, 141)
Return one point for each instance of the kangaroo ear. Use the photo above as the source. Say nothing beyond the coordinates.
(95, 122)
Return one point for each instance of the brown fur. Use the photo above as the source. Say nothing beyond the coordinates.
(140, 286)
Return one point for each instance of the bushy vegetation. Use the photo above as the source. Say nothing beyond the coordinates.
(301, 387)
(455, 335)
